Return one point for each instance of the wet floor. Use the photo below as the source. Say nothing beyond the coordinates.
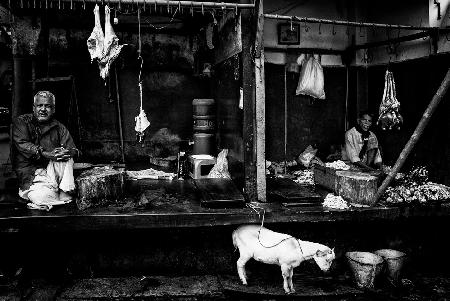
(223, 287)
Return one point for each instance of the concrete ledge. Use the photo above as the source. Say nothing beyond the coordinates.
(183, 210)
(17, 218)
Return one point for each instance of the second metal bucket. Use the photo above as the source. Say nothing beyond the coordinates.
(394, 261)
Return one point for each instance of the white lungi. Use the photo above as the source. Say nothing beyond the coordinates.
(50, 186)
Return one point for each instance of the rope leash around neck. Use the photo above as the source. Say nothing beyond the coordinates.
(255, 208)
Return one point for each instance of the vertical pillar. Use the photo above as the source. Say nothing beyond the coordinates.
(248, 84)
(260, 112)
(25, 41)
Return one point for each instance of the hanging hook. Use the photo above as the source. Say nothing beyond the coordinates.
(203, 10)
(235, 10)
(179, 6)
(332, 30)
(306, 25)
(292, 28)
(168, 6)
(192, 9)
(143, 8)
(435, 2)
(84, 4)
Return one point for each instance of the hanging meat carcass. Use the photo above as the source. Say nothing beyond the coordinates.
(104, 48)
(389, 115)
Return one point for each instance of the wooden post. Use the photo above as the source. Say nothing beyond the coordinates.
(248, 85)
(415, 136)
(260, 105)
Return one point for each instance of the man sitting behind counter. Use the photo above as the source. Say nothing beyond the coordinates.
(361, 145)
(42, 152)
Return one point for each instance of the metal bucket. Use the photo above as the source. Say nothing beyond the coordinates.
(395, 260)
(365, 266)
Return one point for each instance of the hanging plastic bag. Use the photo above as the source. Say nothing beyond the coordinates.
(220, 169)
(311, 81)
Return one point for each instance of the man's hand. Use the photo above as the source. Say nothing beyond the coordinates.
(363, 166)
(58, 154)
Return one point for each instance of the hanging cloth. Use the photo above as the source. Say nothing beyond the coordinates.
(389, 113)
(142, 122)
(311, 80)
(104, 48)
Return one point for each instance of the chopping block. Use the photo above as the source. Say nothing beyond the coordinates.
(357, 187)
(353, 185)
(99, 186)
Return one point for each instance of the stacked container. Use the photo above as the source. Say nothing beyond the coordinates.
(204, 125)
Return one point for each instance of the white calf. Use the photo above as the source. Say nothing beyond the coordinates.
(284, 250)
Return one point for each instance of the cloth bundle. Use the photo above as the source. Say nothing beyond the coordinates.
(311, 81)
(142, 122)
(389, 115)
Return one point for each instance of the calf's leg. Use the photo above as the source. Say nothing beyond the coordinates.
(241, 268)
(285, 274)
(291, 285)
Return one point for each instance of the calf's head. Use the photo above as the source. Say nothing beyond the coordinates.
(324, 258)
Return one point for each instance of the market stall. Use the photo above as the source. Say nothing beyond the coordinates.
(356, 185)
(145, 91)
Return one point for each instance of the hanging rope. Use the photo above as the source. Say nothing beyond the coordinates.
(139, 56)
(141, 120)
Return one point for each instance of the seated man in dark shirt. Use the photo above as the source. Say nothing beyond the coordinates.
(361, 144)
(42, 155)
